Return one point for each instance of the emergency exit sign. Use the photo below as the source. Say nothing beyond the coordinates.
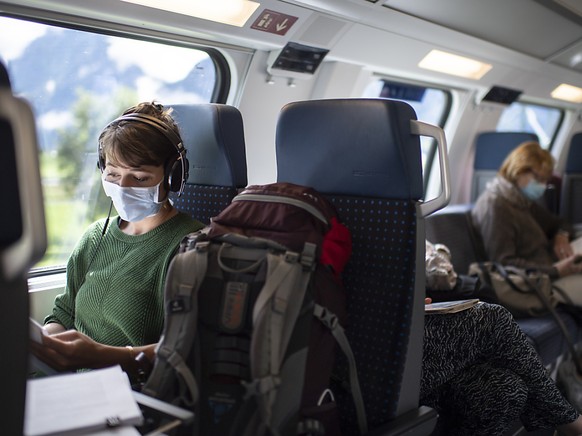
(274, 22)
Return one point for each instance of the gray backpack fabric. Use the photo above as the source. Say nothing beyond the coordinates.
(253, 318)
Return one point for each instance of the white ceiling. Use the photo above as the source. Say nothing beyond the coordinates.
(548, 30)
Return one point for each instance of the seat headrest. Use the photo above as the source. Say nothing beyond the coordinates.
(360, 147)
(213, 136)
(574, 160)
(492, 148)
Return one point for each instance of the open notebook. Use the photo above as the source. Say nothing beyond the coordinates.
(450, 306)
(80, 403)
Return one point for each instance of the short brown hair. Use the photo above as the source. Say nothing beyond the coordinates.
(528, 156)
(135, 144)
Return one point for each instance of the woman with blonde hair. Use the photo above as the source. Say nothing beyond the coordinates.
(519, 231)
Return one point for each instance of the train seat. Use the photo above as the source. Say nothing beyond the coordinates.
(570, 205)
(23, 241)
(491, 148)
(368, 164)
(213, 136)
(453, 226)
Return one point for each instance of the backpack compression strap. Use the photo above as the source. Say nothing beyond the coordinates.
(185, 275)
(331, 321)
(274, 315)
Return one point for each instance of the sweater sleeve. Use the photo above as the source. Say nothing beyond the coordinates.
(64, 306)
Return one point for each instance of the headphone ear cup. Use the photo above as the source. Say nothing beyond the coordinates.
(176, 176)
(101, 164)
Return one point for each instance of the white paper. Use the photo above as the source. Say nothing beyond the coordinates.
(450, 306)
(36, 331)
(79, 403)
(576, 245)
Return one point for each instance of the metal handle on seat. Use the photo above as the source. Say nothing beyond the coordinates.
(424, 129)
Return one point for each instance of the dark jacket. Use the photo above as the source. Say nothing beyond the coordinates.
(515, 230)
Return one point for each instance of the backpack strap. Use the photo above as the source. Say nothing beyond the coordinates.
(184, 278)
(274, 315)
(330, 320)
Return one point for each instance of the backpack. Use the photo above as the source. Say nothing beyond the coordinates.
(254, 308)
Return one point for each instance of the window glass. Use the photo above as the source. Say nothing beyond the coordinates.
(524, 117)
(76, 82)
(431, 105)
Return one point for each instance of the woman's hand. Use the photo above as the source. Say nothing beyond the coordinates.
(71, 350)
(570, 265)
(562, 247)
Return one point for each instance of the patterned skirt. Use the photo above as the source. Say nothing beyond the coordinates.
(481, 374)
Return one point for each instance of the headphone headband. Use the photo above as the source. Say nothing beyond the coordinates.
(170, 135)
(159, 125)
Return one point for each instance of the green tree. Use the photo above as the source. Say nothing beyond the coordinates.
(77, 148)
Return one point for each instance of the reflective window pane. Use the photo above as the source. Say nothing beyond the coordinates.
(76, 82)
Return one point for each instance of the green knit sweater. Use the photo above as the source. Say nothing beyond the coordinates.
(118, 299)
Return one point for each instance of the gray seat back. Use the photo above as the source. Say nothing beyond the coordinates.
(22, 243)
(570, 204)
(491, 149)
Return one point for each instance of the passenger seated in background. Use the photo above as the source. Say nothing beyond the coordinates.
(518, 231)
(481, 373)
(112, 305)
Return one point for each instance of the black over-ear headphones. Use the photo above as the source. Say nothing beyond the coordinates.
(176, 172)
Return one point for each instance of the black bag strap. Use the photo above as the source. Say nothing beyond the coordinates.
(331, 321)
(544, 299)
(504, 272)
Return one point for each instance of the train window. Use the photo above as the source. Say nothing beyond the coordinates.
(432, 106)
(544, 121)
(76, 81)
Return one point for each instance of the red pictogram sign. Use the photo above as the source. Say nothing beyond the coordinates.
(274, 22)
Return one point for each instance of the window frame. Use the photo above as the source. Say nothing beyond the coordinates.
(220, 93)
(527, 102)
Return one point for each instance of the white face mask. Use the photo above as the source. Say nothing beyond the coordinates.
(134, 203)
(534, 190)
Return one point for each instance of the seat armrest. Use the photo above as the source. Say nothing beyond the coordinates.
(417, 422)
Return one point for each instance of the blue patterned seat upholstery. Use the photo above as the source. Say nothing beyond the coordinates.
(361, 154)
(213, 135)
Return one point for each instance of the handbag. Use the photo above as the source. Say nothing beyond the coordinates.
(440, 274)
(569, 378)
(525, 293)
(532, 292)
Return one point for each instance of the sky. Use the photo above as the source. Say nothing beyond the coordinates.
(167, 63)
(164, 64)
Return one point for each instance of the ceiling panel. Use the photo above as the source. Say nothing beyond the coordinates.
(523, 25)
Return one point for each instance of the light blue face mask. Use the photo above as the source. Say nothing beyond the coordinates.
(133, 203)
(534, 190)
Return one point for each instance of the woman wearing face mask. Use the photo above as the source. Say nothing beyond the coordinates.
(112, 305)
(517, 230)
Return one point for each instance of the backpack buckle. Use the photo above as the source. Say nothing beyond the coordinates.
(261, 386)
(329, 319)
(309, 256)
